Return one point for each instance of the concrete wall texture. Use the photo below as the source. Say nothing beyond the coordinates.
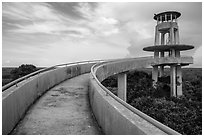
(16, 100)
(112, 115)
(114, 118)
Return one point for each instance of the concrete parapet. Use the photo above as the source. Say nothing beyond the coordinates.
(114, 118)
(113, 114)
(17, 99)
(120, 66)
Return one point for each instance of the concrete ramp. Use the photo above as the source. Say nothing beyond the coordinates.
(62, 110)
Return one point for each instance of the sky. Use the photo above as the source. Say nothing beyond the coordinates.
(46, 34)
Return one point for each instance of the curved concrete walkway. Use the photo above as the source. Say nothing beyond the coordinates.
(62, 110)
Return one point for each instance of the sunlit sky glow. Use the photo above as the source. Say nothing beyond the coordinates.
(46, 34)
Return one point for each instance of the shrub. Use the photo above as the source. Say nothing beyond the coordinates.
(183, 114)
(22, 71)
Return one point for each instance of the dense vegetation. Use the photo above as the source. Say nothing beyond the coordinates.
(10, 74)
(6, 76)
(22, 71)
(183, 114)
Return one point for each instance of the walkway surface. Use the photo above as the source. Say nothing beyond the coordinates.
(62, 110)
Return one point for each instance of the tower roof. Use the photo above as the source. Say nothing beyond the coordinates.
(174, 14)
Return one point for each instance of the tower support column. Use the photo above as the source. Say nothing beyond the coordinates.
(156, 42)
(173, 81)
(155, 69)
(177, 37)
(122, 86)
(172, 35)
(179, 81)
(155, 75)
(162, 54)
(161, 71)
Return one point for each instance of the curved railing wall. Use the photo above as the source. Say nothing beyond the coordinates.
(113, 114)
(20, 94)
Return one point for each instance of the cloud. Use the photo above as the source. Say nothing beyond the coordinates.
(29, 11)
(77, 31)
(79, 51)
(99, 24)
(43, 19)
(51, 27)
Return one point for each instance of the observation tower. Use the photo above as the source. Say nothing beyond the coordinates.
(167, 50)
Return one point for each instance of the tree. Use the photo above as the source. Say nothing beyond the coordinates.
(22, 71)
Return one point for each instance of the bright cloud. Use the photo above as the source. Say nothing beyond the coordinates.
(101, 25)
(66, 32)
(29, 11)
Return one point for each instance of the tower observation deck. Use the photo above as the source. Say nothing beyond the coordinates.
(167, 49)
